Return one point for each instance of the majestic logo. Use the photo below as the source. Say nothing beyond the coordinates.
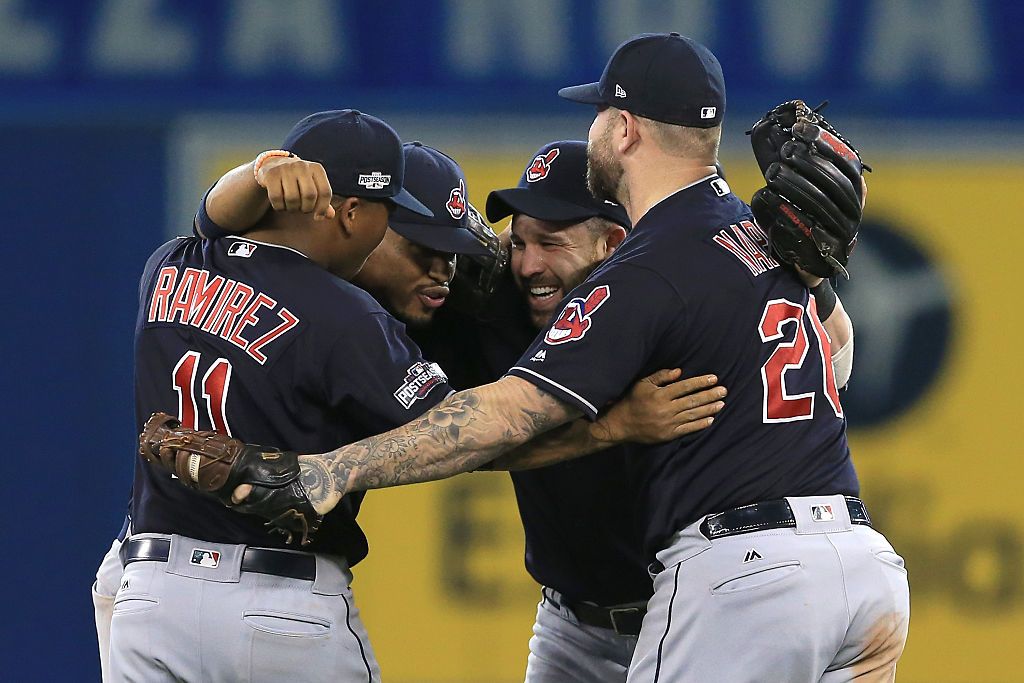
(540, 356)
(457, 201)
(619, 92)
(242, 249)
(375, 180)
(420, 379)
(541, 166)
(707, 112)
(752, 555)
(822, 513)
(575, 319)
(204, 558)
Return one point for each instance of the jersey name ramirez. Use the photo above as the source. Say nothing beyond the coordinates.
(222, 307)
(749, 244)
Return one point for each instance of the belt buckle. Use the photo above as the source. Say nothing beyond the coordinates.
(622, 612)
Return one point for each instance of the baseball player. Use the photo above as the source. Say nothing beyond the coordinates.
(579, 547)
(767, 565)
(263, 337)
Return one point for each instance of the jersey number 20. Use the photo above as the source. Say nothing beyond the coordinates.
(214, 388)
(778, 404)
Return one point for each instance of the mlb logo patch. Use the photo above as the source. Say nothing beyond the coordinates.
(202, 557)
(707, 112)
(822, 513)
(242, 249)
(375, 180)
(420, 379)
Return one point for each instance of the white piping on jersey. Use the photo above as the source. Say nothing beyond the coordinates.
(556, 384)
(265, 244)
(685, 187)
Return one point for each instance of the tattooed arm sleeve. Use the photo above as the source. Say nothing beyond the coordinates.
(460, 434)
(578, 438)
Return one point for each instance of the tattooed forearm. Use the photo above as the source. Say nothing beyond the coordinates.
(461, 433)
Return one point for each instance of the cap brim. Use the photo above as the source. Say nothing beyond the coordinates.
(589, 93)
(503, 203)
(407, 201)
(441, 238)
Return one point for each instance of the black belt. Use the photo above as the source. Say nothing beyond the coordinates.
(772, 514)
(259, 560)
(625, 620)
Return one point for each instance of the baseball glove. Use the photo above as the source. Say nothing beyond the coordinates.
(477, 276)
(216, 464)
(814, 201)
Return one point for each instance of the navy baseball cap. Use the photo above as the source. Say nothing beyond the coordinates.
(554, 188)
(662, 76)
(434, 176)
(361, 154)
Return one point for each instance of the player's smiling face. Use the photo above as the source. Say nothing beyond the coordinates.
(549, 259)
(409, 280)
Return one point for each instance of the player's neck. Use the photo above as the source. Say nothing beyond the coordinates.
(293, 239)
(649, 183)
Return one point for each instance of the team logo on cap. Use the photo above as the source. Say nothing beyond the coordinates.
(575, 319)
(541, 165)
(375, 180)
(457, 201)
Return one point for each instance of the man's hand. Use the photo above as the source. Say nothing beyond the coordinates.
(662, 407)
(293, 184)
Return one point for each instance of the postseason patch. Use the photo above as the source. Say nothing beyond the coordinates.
(420, 379)
(574, 321)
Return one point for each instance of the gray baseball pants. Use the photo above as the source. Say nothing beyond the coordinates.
(562, 650)
(179, 621)
(827, 601)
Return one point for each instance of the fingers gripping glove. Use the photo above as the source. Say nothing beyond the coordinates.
(813, 203)
(476, 276)
(216, 464)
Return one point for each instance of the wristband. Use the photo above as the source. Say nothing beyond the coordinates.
(263, 156)
(825, 297)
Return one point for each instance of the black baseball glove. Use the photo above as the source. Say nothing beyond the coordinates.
(216, 464)
(814, 201)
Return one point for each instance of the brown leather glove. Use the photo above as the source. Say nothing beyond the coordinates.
(216, 464)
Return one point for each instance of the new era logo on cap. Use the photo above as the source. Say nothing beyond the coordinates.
(375, 180)
(619, 92)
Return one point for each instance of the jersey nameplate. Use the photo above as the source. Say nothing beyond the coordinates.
(223, 308)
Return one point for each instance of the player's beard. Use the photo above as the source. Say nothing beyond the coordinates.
(604, 172)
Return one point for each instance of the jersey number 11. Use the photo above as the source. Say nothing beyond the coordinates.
(214, 388)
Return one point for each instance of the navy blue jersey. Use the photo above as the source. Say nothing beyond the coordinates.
(579, 522)
(257, 341)
(694, 287)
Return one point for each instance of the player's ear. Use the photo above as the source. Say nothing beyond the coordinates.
(626, 132)
(613, 238)
(346, 213)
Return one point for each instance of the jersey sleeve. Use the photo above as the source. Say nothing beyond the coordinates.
(377, 374)
(603, 339)
(204, 227)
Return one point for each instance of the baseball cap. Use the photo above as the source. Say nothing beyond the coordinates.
(662, 76)
(361, 154)
(553, 187)
(434, 176)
